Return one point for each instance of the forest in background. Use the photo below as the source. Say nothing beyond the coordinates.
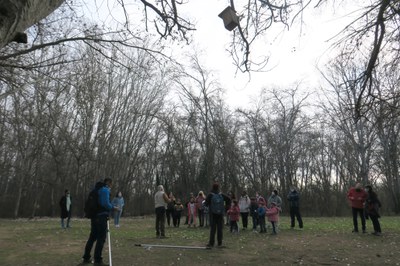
(77, 112)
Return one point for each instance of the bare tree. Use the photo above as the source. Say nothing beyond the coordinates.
(358, 133)
(387, 117)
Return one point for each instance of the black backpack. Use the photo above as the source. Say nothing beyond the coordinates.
(92, 206)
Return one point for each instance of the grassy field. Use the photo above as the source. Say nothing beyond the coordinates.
(324, 241)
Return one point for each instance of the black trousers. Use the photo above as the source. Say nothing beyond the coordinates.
(177, 218)
(160, 221)
(375, 223)
(360, 212)
(98, 234)
(200, 213)
(295, 213)
(216, 226)
(245, 219)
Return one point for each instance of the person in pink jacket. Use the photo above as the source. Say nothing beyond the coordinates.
(234, 214)
(273, 216)
(192, 212)
(357, 197)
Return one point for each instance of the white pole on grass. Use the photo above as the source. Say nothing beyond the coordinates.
(109, 242)
(169, 246)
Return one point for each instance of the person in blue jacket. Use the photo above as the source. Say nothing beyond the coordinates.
(118, 202)
(98, 224)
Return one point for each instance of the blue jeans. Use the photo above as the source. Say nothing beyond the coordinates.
(117, 215)
(255, 221)
(98, 234)
(357, 211)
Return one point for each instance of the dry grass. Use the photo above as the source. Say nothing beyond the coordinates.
(324, 241)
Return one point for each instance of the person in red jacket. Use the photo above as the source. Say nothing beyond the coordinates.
(357, 197)
(234, 214)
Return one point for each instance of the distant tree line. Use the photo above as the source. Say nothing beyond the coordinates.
(75, 113)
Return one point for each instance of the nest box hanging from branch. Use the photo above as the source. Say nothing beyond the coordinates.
(231, 20)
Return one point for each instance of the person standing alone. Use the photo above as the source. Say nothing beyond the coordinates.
(66, 208)
(357, 197)
(118, 202)
(294, 203)
(160, 201)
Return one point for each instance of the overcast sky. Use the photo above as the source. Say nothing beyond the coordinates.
(294, 54)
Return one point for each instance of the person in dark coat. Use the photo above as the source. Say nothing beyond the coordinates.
(372, 205)
(66, 209)
(216, 214)
(254, 213)
(294, 203)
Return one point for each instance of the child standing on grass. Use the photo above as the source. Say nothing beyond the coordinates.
(261, 217)
(234, 214)
(254, 213)
(206, 214)
(178, 209)
(192, 212)
(273, 216)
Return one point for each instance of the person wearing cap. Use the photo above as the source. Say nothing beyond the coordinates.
(372, 205)
(160, 201)
(357, 197)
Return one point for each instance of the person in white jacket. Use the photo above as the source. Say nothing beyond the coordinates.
(244, 206)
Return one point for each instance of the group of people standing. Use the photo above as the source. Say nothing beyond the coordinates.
(364, 203)
(66, 208)
(210, 211)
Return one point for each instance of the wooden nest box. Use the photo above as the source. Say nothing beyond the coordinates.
(231, 20)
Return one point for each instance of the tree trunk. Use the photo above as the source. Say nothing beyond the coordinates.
(18, 15)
